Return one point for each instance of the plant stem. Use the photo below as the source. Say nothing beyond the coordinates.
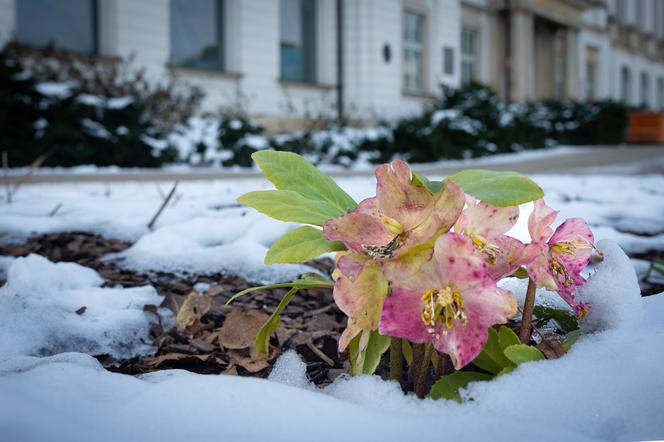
(396, 359)
(440, 365)
(527, 318)
(422, 377)
(418, 355)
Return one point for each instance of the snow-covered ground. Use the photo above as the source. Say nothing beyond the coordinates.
(609, 387)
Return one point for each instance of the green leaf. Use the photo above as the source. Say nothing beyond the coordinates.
(407, 351)
(448, 386)
(300, 245)
(506, 370)
(565, 318)
(302, 283)
(289, 171)
(421, 180)
(521, 353)
(507, 337)
(491, 358)
(370, 357)
(272, 323)
(570, 339)
(497, 188)
(521, 273)
(286, 205)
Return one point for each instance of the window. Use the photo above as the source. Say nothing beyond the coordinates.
(413, 52)
(197, 33)
(625, 85)
(591, 74)
(70, 25)
(298, 40)
(660, 93)
(469, 56)
(621, 11)
(645, 89)
(448, 61)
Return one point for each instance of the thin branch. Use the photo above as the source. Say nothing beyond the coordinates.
(163, 206)
(325, 358)
(36, 164)
(55, 210)
(527, 317)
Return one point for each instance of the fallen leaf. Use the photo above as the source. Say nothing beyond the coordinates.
(240, 328)
(551, 347)
(188, 318)
(81, 310)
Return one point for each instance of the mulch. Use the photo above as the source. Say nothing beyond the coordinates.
(209, 337)
(203, 334)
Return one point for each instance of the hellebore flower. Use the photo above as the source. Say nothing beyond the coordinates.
(486, 226)
(561, 255)
(359, 293)
(451, 302)
(400, 216)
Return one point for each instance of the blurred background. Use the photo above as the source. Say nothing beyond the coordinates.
(347, 82)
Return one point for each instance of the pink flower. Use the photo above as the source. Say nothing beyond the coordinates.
(359, 291)
(400, 216)
(560, 255)
(451, 302)
(486, 226)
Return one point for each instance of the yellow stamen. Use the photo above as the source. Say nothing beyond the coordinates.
(491, 251)
(563, 248)
(442, 306)
(557, 269)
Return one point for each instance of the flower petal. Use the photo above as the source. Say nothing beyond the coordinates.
(457, 264)
(398, 198)
(540, 220)
(539, 270)
(402, 316)
(448, 206)
(487, 220)
(362, 300)
(357, 231)
(484, 306)
(576, 232)
(351, 264)
(409, 265)
(511, 255)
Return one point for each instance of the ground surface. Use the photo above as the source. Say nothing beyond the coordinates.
(205, 243)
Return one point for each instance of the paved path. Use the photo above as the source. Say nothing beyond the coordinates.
(620, 160)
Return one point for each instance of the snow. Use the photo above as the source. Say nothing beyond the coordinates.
(609, 387)
(38, 307)
(612, 291)
(60, 90)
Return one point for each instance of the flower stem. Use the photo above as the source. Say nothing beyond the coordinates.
(422, 377)
(396, 359)
(527, 319)
(439, 365)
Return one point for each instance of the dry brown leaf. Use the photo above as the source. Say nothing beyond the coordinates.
(551, 347)
(240, 328)
(251, 363)
(195, 306)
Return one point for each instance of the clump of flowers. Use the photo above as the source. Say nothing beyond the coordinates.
(418, 264)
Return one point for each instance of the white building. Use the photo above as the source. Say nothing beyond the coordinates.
(285, 60)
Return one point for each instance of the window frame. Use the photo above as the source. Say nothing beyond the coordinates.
(417, 48)
(469, 61)
(309, 48)
(220, 35)
(94, 23)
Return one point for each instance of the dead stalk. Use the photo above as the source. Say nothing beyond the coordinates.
(527, 318)
(36, 164)
(163, 206)
(5, 166)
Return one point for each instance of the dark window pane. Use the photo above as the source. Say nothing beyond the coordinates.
(448, 61)
(196, 33)
(67, 24)
(298, 40)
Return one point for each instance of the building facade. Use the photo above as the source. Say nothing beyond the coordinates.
(284, 61)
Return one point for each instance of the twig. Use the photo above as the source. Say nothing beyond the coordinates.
(55, 210)
(318, 311)
(325, 358)
(163, 206)
(5, 166)
(396, 359)
(36, 164)
(527, 317)
(423, 375)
